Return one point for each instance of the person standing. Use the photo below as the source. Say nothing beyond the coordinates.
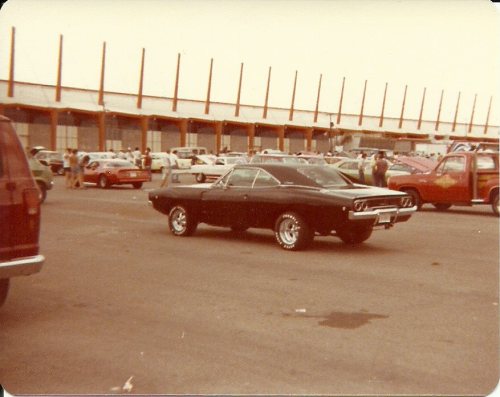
(148, 161)
(361, 168)
(166, 169)
(137, 157)
(175, 166)
(74, 168)
(381, 166)
(66, 167)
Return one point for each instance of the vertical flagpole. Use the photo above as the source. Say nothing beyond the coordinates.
(11, 69)
(207, 102)
(59, 70)
(421, 110)
(141, 80)
(360, 120)
(439, 111)
(472, 114)
(339, 114)
(488, 116)
(381, 121)
(456, 114)
(237, 110)
(264, 114)
(103, 65)
(290, 116)
(176, 89)
(402, 108)
(317, 99)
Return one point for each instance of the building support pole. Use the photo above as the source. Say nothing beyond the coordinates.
(456, 114)
(183, 129)
(290, 115)
(144, 132)
(264, 114)
(339, 114)
(54, 116)
(309, 137)
(439, 111)
(316, 110)
(238, 97)
(101, 121)
(251, 138)
(381, 121)
(101, 84)
(360, 120)
(472, 114)
(421, 110)
(141, 80)
(402, 109)
(219, 131)
(487, 116)
(176, 89)
(207, 102)
(281, 137)
(10, 89)
(59, 70)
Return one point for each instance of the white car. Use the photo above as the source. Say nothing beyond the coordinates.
(211, 167)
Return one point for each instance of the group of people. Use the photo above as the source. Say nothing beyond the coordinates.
(74, 168)
(379, 167)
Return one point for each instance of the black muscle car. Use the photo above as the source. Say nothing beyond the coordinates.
(296, 201)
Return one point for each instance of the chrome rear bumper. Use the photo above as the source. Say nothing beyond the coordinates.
(22, 266)
(382, 215)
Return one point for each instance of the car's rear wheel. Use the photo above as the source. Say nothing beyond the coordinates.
(417, 201)
(200, 178)
(137, 185)
(441, 206)
(4, 289)
(103, 182)
(495, 204)
(43, 191)
(181, 222)
(355, 234)
(292, 232)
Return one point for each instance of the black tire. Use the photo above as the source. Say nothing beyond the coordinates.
(43, 191)
(441, 206)
(415, 196)
(355, 234)
(137, 185)
(103, 182)
(292, 232)
(4, 289)
(495, 203)
(181, 222)
(200, 178)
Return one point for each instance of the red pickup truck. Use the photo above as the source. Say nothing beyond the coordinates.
(460, 178)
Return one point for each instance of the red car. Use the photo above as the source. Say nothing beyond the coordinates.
(105, 173)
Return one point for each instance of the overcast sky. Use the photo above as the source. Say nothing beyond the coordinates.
(439, 44)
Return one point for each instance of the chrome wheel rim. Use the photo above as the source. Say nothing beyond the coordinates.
(289, 231)
(179, 220)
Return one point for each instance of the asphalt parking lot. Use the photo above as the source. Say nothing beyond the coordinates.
(122, 306)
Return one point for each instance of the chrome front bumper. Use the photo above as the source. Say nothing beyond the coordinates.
(382, 216)
(22, 266)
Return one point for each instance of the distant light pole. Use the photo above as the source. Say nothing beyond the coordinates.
(330, 134)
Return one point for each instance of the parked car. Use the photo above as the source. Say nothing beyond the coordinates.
(43, 177)
(52, 159)
(277, 158)
(296, 201)
(19, 212)
(158, 161)
(211, 167)
(105, 173)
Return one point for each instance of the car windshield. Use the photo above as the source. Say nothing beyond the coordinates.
(323, 176)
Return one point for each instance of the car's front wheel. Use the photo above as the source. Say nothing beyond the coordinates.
(4, 289)
(354, 235)
(181, 222)
(415, 197)
(200, 178)
(137, 185)
(495, 204)
(43, 191)
(292, 232)
(103, 182)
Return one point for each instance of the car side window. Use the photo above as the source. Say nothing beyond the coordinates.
(264, 179)
(485, 163)
(242, 177)
(452, 164)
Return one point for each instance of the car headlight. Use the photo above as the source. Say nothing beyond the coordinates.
(360, 205)
(406, 202)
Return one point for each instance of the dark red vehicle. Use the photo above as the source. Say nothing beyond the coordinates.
(105, 173)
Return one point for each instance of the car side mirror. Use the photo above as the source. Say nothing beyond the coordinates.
(44, 162)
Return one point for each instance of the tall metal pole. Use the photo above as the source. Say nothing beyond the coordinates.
(264, 114)
(339, 114)
(317, 99)
(439, 110)
(472, 115)
(360, 120)
(10, 91)
(103, 65)
(381, 121)
(207, 102)
(141, 80)
(402, 108)
(421, 110)
(290, 116)
(59, 70)
(237, 110)
(488, 116)
(456, 114)
(176, 89)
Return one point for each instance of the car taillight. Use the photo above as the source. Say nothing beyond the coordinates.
(31, 201)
